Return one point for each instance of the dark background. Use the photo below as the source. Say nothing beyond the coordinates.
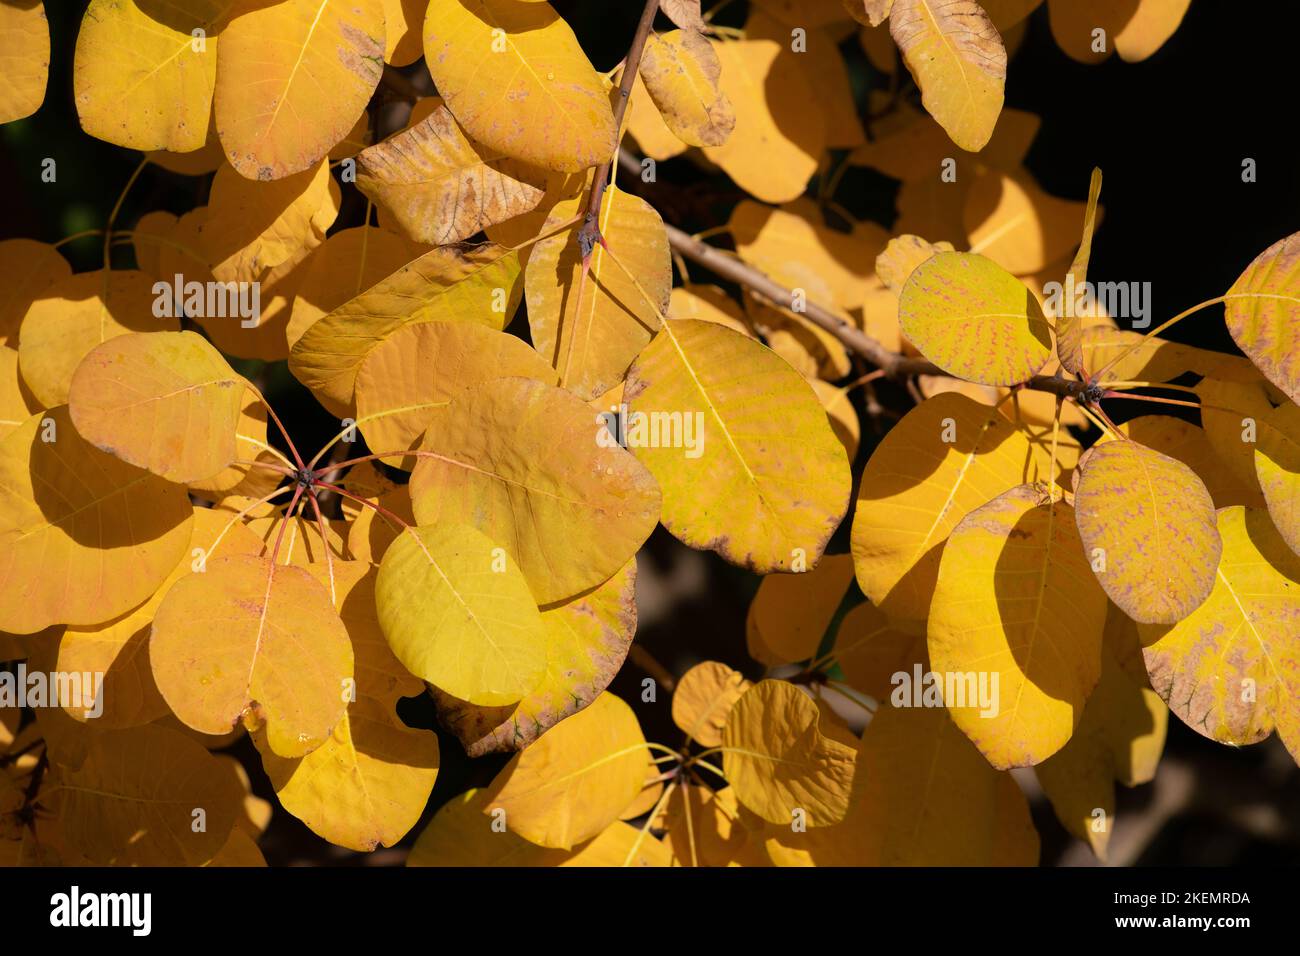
(1170, 134)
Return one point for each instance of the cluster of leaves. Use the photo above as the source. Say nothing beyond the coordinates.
(152, 530)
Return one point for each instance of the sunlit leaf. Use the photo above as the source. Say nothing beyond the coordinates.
(246, 640)
(1263, 314)
(575, 780)
(790, 613)
(25, 53)
(546, 104)
(703, 699)
(761, 479)
(681, 73)
(1148, 530)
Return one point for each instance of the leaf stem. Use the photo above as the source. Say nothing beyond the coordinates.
(117, 207)
(1124, 352)
(589, 235)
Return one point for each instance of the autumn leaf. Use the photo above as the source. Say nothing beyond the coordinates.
(681, 73)
(313, 81)
(591, 331)
(455, 620)
(84, 536)
(164, 401)
(549, 106)
(1227, 668)
(1148, 530)
(957, 58)
(248, 640)
(763, 489)
(442, 187)
(780, 764)
(143, 77)
(974, 319)
(1016, 605)
(1277, 463)
(25, 51)
(944, 459)
(575, 781)
(533, 468)
(1261, 314)
(703, 699)
(1069, 343)
(790, 613)
(587, 640)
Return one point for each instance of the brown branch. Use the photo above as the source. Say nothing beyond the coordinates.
(589, 235)
(894, 364)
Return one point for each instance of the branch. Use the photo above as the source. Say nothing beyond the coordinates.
(589, 235)
(894, 364)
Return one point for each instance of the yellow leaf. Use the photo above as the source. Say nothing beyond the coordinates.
(901, 256)
(460, 835)
(348, 263)
(143, 71)
(794, 246)
(451, 284)
(254, 227)
(644, 121)
(118, 649)
(703, 699)
(911, 146)
(777, 141)
(824, 67)
(456, 621)
(282, 104)
(790, 612)
(957, 58)
(1069, 328)
(1277, 462)
(1228, 669)
(420, 368)
(17, 404)
(74, 315)
(1148, 530)
(1231, 414)
(841, 414)
(684, 13)
(368, 783)
(544, 103)
(137, 793)
(404, 19)
(714, 834)
(163, 401)
(1016, 224)
(576, 779)
(442, 187)
(30, 268)
(246, 639)
(763, 482)
(974, 319)
(945, 458)
(780, 764)
(1015, 627)
(871, 650)
(591, 342)
(1135, 29)
(535, 470)
(709, 304)
(587, 640)
(25, 53)
(83, 535)
(926, 798)
(1120, 738)
(1190, 445)
(681, 73)
(1263, 314)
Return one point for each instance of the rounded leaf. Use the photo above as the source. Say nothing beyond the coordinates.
(974, 319)
(455, 620)
(1148, 530)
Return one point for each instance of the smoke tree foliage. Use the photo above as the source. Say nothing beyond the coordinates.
(1018, 582)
